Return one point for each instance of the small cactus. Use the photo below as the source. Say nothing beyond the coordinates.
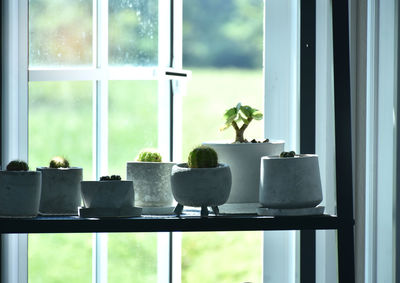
(203, 157)
(17, 165)
(112, 178)
(149, 155)
(288, 154)
(59, 162)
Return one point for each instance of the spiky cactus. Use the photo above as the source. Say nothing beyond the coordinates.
(244, 114)
(17, 165)
(149, 155)
(288, 154)
(59, 162)
(203, 157)
(112, 178)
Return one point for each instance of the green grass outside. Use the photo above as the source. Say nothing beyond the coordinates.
(60, 123)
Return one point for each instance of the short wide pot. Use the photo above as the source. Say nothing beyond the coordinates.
(290, 182)
(152, 183)
(61, 190)
(19, 193)
(107, 194)
(201, 186)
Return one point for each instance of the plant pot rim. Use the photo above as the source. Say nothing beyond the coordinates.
(229, 142)
(297, 156)
(108, 181)
(147, 162)
(48, 168)
(185, 165)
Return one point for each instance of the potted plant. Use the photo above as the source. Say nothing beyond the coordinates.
(290, 184)
(61, 188)
(108, 197)
(19, 190)
(243, 157)
(152, 182)
(201, 182)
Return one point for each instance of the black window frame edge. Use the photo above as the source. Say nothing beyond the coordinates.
(1, 120)
(397, 177)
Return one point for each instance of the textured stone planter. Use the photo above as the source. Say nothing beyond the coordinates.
(152, 183)
(201, 186)
(290, 183)
(19, 193)
(61, 190)
(107, 194)
(244, 161)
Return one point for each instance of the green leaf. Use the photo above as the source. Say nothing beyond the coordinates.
(257, 115)
(230, 114)
(238, 107)
(247, 111)
(243, 119)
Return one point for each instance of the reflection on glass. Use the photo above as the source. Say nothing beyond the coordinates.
(133, 32)
(222, 45)
(60, 123)
(132, 257)
(60, 33)
(133, 118)
(62, 258)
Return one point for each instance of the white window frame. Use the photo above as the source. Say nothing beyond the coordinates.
(15, 112)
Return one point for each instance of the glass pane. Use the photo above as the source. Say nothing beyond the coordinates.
(60, 33)
(133, 32)
(132, 257)
(61, 258)
(60, 123)
(133, 118)
(222, 45)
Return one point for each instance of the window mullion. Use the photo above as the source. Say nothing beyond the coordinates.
(100, 126)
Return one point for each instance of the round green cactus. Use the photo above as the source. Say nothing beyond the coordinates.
(59, 162)
(203, 157)
(149, 155)
(17, 165)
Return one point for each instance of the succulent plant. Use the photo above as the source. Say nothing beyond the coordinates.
(288, 154)
(149, 155)
(17, 165)
(59, 162)
(203, 157)
(112, 178)
(243, 114)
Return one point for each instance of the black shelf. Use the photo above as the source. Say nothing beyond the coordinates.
(189, 223)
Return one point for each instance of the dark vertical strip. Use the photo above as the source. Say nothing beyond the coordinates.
(307, 121)
(1, 117)
(344, 182)
(397, 260)
(307, 76)
(171, 88)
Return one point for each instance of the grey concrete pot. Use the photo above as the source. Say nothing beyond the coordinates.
(201, 186)
(244, 161)
(152, 183)
(20, 193)
(288, 183)
(61, 190)
(107, 194)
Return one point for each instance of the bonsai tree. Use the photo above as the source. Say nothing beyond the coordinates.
(17, 165)
(239, 118)
(203, 157)
(59, 162)
(149, 155)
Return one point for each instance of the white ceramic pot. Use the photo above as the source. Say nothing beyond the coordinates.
(290, 182)
(19, 193)
(244, 161)
(201, 186)
(107, 194)
(152, 183)
(61, 190)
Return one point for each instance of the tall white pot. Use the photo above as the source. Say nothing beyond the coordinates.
(244, 161)
(19, 193)
(152, 183)
(61, 190)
